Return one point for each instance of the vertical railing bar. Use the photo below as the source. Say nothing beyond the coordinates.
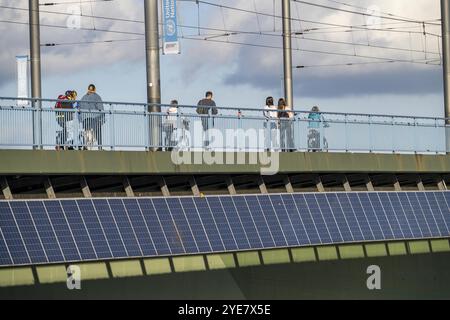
(113, 140)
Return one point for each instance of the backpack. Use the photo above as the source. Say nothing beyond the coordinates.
(63, 103)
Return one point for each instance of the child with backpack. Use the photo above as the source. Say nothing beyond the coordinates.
(64, 136)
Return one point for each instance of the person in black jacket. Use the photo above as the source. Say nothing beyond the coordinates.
(285, 117)
(207, 108)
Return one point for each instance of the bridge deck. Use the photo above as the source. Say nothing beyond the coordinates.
(34, 162)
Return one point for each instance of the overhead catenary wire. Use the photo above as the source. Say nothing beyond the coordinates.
(46, 4)
(362, 13)
(364, 8)
(330, 25)
(294, 19)
(308, 50)
(227, 33)
(350, 64)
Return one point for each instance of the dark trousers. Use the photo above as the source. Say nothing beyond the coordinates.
(206, 122)
(287, 139)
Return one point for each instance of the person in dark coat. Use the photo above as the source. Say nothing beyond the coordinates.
(92, 117)
(207, 108)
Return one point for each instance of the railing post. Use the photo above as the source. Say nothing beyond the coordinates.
(436, 125)
(346, 133)
(38, 111)
(415, 128)
(322, 136)
(76, 128)
(393, 134)
(370, 134)
(179, 132)
(239, 126)
(147, 130)
(112, 127)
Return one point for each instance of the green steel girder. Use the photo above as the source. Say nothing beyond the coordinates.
(39, 162)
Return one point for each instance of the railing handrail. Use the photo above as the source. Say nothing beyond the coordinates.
(223, 108)
(414, 123)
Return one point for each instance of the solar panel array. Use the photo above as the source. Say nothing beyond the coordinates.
(60, 231)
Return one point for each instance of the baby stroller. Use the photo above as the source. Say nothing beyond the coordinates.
(183, 135)
(314, 143)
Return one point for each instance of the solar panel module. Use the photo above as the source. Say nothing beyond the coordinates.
(61, 231)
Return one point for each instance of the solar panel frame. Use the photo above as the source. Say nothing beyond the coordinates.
(28, 232)
(283, 218)
(79, 230)
(154, 226)
(95, 229)
(196, 225)
(222, 223)
(12, 235)
(272, 221)
(4, 259)
(62, 231)
(209, 225)
(432, 224)
(140, 227)
(109, 229)
(236, 226)
(442, 207)
(46, 232)
(247, 221)
(168, 226)
(123, 223)
(296, 221)
(308, 220)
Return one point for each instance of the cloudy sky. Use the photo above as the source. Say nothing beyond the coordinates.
(241, 75)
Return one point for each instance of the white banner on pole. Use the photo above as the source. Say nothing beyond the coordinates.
(22, 80)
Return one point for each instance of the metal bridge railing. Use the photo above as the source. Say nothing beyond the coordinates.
(27, 124)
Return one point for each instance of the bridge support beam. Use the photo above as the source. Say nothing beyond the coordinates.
(319, 184)
(442, 186)
(85, 187)
(397, 185)
(369, 184)
(128, 188)
(288, 184)
(6, 189)
(346, 184)
(420, 185)
(230, 185)
(49, 188)
(163, 186)
(262, 185)
(194, 187)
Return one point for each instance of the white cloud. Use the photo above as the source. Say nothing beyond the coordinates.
(243, 65)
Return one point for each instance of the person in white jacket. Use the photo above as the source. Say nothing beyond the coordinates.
(271, 125)
(170, 125)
